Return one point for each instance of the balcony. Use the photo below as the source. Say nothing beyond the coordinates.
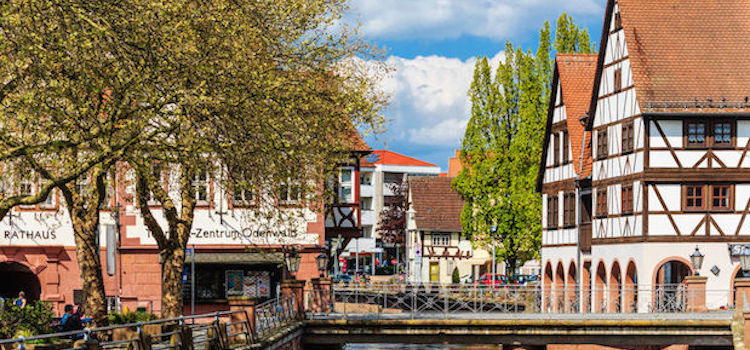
(368, 217)
(366, 191)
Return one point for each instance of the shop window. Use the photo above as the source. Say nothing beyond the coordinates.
(627, 199)
(627, 137)
(602, 150)
(601, 202)
(694, 197)
(566, 148)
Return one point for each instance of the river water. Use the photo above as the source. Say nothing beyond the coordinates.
(419, 347)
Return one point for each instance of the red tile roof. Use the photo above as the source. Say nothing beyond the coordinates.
(437, 207)
(681, 50)
(382, 156)
(357, 144)
(576, 72)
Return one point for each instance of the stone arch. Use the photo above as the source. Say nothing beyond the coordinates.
(630, 288)
(559, 292)
(615, 288)
(668, 287)
(547, 278)
(571, 288)
(18, 277)
(586, 286)
(600, 285)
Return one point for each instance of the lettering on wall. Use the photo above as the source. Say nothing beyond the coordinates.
(30, 234)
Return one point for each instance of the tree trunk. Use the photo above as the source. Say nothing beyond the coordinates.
(89, 262)
(171, 278)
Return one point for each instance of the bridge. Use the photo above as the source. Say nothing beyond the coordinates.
(326, 316)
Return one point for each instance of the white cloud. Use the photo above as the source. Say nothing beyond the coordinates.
(441, 19)
(430, 105)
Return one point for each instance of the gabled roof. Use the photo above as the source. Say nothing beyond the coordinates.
(575, 75)
(356, 142)
(437, 207)
(386, 157)
(681, 50)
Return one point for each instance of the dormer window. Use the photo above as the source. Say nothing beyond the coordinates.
(696, 134)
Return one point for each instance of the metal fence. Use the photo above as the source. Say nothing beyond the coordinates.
(274, 314)
(219, 330)
(428, 298)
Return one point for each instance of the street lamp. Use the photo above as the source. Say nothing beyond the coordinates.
(697, 259)
(745, 260)
(292, 259)
(322, 260)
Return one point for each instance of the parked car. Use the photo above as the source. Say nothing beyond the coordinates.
(486, 280)
(343, 278)
(522, 280)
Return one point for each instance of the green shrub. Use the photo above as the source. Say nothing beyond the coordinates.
(34, 319)
(130, 317)
(455, 276)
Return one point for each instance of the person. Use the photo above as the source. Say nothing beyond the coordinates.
(74, 323)
(21, 301)
(68, 313)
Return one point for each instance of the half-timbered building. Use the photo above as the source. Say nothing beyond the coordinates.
(670, 119)
(564, 175)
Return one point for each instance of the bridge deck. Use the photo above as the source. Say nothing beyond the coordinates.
(698, 329)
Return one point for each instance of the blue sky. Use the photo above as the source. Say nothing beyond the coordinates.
(432, 45)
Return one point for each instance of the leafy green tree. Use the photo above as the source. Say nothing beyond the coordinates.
(265, 87)
(503, 144)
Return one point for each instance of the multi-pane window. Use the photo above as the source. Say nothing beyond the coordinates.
(569, 210)
(707, 197)
(552, 211)
(566, 148)
(602, 150)
(703, 133)
(200, 187)
(242, 194)
(556, 151)
(627, 199)
(601, 202)
(720, 197)
(722, 134)
(441, 239)
(617, 81)
(346, 184)
(289, 193)
(696, 134)
(694, 199)
(366, 203)
(627, 137)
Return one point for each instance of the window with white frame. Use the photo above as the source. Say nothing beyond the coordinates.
(200, 187)
(365, 178)
(49, 202)
(441, 239)
(242, 194)
(289, 193)
(366, 203)
(346, 185)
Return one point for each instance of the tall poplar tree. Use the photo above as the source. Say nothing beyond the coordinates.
(503, 144)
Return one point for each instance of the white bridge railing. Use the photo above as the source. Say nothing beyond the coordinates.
(423, 298)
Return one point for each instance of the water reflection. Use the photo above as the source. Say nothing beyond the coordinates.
(419, 347)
